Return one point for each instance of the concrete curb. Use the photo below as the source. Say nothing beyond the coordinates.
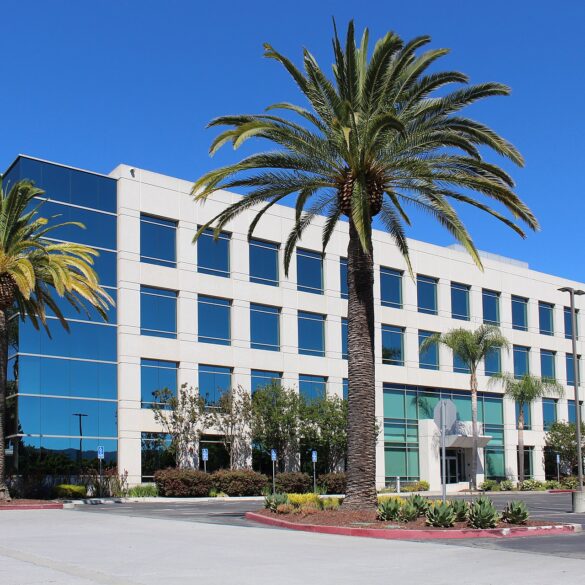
(420, 534)
(160, 499)
(47, 506)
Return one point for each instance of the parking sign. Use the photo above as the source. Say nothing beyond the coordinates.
(273, 454)
(205, 454)
(314, 456)
(100, 452)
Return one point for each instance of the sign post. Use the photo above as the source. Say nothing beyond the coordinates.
(100, 456)
(314, 459)
(205, 457)
(445, 414)
(558, 467)
(273, 457)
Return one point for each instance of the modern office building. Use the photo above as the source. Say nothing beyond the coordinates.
(222, 313)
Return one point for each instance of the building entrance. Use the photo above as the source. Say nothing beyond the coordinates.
(455, 465)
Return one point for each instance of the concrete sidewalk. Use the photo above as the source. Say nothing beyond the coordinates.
(81, 548)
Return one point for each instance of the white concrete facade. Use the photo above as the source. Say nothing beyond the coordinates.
(141, 191)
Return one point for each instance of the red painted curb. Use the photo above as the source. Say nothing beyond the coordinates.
(561, 491)
(418, 534)
(54, 506)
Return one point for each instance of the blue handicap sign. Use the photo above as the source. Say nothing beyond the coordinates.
(314, 456)
(100, 452)
(558, 459)
(205, 454)
(273, 454)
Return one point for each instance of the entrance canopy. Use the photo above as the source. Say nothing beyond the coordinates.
(465, 441)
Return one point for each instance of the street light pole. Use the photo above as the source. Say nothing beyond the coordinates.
(579, 498)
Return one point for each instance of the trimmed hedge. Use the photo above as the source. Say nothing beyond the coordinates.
(294, 482)
(68, 491)
(239, 482)
(333, 483)
(182, 483)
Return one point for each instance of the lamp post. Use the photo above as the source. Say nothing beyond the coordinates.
(579, 495)
(80, 415)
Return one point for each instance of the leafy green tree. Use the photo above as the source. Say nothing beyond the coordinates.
(381, 138)
(471, 347)
(32, 270)
(562, 439)
(324, 428)
(276, 423)
(524, 391)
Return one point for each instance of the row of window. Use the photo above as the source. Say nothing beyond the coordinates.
(158, 246)
(214, 380)
(549, 413)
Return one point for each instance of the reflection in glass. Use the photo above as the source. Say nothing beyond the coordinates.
(262, 378)
(547, 364)
(426, 294)
(156, 375)
(213, 382)
(311, 329)
(521, 366)
(428, 359)
(158, 240)
(158, 312)
(213, 256)
(491, 307)
(460, 301)
(312, 387)
(343, 278)
(309, 271)
(263, 262)
(519, 313)
(391, 287)
(264, 327)
(393, 345)
(214, 322)
(546, 318)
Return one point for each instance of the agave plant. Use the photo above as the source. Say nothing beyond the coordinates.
(441, 515)
(515, 513)
(461, 509)
(482, 514)
(389, 509)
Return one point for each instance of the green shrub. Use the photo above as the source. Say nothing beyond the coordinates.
(570, 482)
(272, 502)
(239, 482)
(384, 497)
(333, 483)
(423, 485)
(440, 515)
(285, 509)
(304, 500)
(293, 482)
(531, 485)
(461, 509)
(408, 511)
(507, 485)
(552, 484)
(68, 491)
(388, 490)
(482, 514)
(420, 503)
(182, 483)
(489, 485)
(144, 490)
(389, 509)
(515, 513)
(331, 503)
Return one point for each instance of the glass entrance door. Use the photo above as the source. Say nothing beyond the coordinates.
(454, 465)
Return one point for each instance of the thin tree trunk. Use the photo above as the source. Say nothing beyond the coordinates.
(361, 432)
(4, 494)
(521, 443)
(474, 430)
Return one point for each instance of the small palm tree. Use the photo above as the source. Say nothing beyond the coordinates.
(524, 391)
(376, 140)
(32, 268)
(471, 347)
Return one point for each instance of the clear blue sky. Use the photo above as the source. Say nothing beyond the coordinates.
(94, 84)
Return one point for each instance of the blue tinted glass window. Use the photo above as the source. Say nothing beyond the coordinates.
(87, 312)
(393, 345)
(213, 256)
(158, 312)
(391, 287)
(426, 288)
(105, 266)
(158, 240)
(460, 366)
(460, 301)
(547, 364)
(155, 454)
(343, 277)
(491, 307)
(545, 318)
(264, 327)
(263, 262)
(312, 387)
(569, 323)
(262, 378)
(311, 333)
(519, 313)
(344, 353)
(549, 412)
(213, 382)
(214, 320)
(493, 362)
(429, 358)
(527, 418)
(570, 368)
(345, 388)
(156, 375)
(572, 412)
(521, 365)
(309, 271)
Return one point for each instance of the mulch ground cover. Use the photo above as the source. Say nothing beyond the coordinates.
(367, 519)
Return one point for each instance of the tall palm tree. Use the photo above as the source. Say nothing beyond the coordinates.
(524, 391)
(32, 268)
(376, 140)
(471, 347)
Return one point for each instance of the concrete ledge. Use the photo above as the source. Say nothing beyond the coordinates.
(420, 534)
(161, 499)
(47, 506)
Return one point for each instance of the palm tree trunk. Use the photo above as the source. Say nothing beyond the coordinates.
(361, 432)
(4, 494)
(474, 429)
(521, 443)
